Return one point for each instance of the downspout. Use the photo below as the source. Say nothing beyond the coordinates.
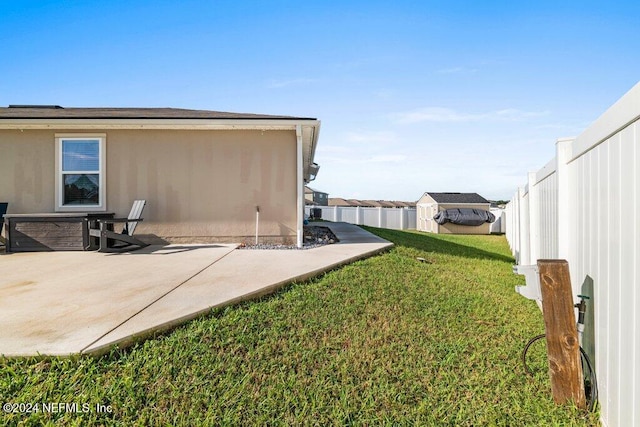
(299, 187)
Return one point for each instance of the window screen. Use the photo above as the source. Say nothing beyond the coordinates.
(80, 155)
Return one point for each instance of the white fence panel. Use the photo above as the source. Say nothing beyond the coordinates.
(399, 219)
(370, 217)
(525, 244)
(410, 218)
(512, 214)
(543, 212)
(498, 226)
(548, 214)
(584, 206)
(349, 215)
(393, 218)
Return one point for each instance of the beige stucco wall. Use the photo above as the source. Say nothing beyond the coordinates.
(27, 170)
(199, 185)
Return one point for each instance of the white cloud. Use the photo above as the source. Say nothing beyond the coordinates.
(348, 65)
(353, 159)
(439, 114)
(386, 158)
(333, 149)
(568, 129)
(278, 84)
(384, 93)
(369, 137)
(512, 114)
(433, 114)
(457, 70)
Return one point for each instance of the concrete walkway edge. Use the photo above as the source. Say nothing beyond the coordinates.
(162, 328)
(66, 303)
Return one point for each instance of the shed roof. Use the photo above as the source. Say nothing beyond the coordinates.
(457, 197)
(58, 112)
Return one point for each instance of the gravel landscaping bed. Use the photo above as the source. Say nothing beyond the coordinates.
(314, 236)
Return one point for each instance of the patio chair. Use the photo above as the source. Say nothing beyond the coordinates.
(111, 241)
(3, 210)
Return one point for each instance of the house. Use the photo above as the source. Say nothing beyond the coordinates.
(315, 197)
(369, 203)
(336, 201)
(376, 203)
(431, 204)
(358, 203)
(401, 204)
(203, 173)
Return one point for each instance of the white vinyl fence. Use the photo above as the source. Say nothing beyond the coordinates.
(584, 206)
(394, 218)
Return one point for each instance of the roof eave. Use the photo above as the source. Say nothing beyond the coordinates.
(311, 127)
(192, 124)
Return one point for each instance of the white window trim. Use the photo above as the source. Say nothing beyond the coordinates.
(59, 190)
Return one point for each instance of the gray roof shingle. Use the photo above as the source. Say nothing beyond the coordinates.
(457, 197)
(57, 112)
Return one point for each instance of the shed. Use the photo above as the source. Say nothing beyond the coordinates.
(203, 173)
(432, 203)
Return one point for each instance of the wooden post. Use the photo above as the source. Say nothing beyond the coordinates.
(563, 349)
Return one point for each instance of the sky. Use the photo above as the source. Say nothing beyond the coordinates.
(413, 96)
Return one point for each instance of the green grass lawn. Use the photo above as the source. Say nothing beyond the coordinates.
(384, 341)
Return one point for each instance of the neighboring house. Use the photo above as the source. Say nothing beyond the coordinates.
(360, 203)
(315, 197)
(431, 203)
(377, 203)
(370, 203)
(399, 204)
(202, 173)
(336, 201)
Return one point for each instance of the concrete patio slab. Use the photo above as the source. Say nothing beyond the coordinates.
(57, 303)
(62, 303)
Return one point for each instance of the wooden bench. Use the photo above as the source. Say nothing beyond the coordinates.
(38, 232)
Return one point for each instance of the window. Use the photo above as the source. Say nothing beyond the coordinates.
(80, 173)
